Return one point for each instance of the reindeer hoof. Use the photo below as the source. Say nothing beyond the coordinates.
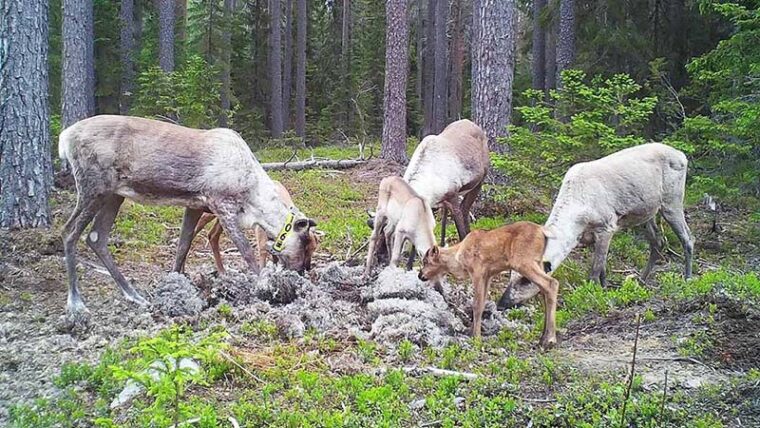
(137, 299)
(547, 343)
(77, 320)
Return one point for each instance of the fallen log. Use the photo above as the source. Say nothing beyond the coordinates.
(309, 164)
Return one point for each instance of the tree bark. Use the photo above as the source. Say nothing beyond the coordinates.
(26, 173)
(345, 55)
(287, 65)
(493, 64)
(126, 51)
(275, 67)
(566, 40)
(457, 60)
(550, 77)
(301, 20)
(428, 69)
(166, 35)
(78, 97)
(226, 93)
(396, 71)
(539, 46)
(440, 88)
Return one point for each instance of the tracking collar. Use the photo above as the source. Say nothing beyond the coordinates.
(279, 243)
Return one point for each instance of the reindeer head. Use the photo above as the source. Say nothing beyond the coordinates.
(432, 266)
(297, 246)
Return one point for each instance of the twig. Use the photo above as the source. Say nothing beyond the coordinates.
(664, 398)
(355, 253)
(431, 424)
(233, 421)
(435, 371)
(633, 370)
(313, 163)
(285, 164)
(229, 358)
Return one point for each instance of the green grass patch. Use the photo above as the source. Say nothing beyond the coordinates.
(739, 285)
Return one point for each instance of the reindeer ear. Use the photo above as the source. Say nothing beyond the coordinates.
(312, 223)
(301, 224)
(434, 251)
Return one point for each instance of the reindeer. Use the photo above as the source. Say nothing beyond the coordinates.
(447, 171)
(484, 254)
(597, 198)
(151, 162)
(401, 216)
(260, 235)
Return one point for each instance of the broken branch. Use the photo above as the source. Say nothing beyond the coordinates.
(309, 164)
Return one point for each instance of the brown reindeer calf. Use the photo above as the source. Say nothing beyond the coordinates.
(484, 254)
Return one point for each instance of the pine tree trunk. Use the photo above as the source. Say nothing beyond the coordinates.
(229, 7)
(180, 12)
(495, 29)
(396, 71)
(440, 88)
(566, 40)
(457, 60)
(275, 67)
(539, 46)
(550, 77)
(345, 54)
(428, 69)
(78, 97)
(301, 20)
(287, 65)
(166, 35)
(126, 51)
(26, 172)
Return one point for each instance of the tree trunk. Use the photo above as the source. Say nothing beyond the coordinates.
(275, 67)
(428, 69)
(566, 40)
(26, 173)
(301, 20)
(126, 51)
(539, 46)
(396, 70)
(180, 12)
(420, 61)
(550, 77)
(166, 35)
(457, 60)
(440, 88)
(226, 93)
(287, 64)
(78, 98)
(494, 26)
(345, 54)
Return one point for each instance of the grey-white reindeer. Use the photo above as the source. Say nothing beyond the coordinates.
(152, 162)
(597, 198)
(447, 171)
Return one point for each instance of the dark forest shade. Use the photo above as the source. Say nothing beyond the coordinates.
(538, 50)
(25, 164)
(126, 52)
(396, 71)
(441, 64)
(301, 19)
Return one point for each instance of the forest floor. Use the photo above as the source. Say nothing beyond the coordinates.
(332, 349)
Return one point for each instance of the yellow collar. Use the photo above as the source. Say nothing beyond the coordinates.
(279, 243)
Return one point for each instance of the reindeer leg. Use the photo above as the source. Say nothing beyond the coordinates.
(467, 202)
(189, 222)
(601, 247)
(227, 216)
(444, 215)
(398, 246)
(549, 289)
(261, 245)
(83, 214)
(655, 247)
(97, 240)
(456, 212)
(479, 291)
(412, 256)
(677, 221)
(213, 239)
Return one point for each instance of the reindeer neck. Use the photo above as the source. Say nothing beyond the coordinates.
(449, 257)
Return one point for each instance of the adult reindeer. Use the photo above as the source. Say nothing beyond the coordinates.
(597, 198)
(447, 170)
(152, 162)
